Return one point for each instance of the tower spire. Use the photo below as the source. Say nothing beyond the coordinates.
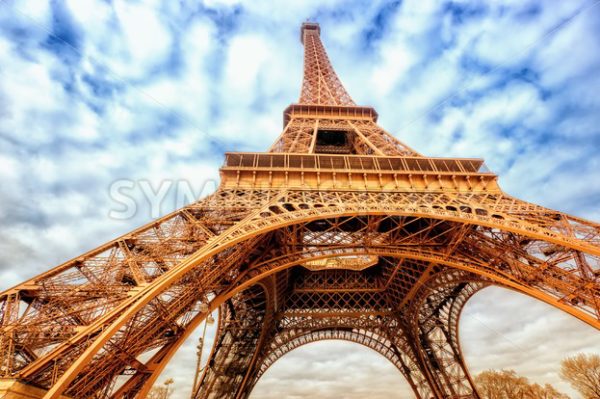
(326, 119)
(321, 85)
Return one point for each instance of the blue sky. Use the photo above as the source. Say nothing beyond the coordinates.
(95, 91)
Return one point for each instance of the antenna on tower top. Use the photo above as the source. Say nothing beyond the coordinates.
(309, 26)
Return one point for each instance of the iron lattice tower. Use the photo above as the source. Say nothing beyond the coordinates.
(340, 231)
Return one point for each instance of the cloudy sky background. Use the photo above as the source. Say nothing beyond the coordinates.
(92, 92)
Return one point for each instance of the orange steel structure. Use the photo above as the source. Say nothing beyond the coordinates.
(340, 231)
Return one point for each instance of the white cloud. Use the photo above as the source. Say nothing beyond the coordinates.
(245, 57)
(396, 60)
(147, 39)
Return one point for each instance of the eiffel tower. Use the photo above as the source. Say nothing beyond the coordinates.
(339, 231)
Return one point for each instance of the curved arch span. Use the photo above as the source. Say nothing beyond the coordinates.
(239, 234)
(363, 338)
(276, 265)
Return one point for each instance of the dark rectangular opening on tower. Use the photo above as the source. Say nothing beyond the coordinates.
(333, 142)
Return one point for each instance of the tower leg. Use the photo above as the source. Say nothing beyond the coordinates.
(436, 336)
(243, 321)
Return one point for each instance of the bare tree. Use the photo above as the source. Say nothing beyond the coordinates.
(162, 392)
(545, 392)
(506, 384)
(583, 373)
(502, 384)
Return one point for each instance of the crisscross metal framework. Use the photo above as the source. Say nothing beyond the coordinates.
(340, 231)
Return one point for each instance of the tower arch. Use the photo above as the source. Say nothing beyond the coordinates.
(349, 337)
(333, 368)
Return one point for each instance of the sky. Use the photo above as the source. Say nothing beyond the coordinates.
(93, 93)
